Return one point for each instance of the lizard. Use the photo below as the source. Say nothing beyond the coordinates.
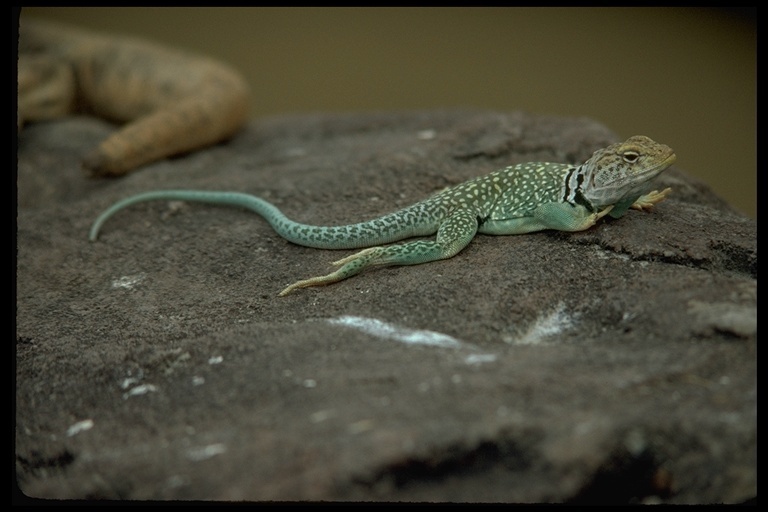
(171, 101)
(517, 199)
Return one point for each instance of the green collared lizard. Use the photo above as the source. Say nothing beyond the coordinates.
(518, 199)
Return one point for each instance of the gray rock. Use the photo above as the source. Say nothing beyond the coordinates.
(616, 365)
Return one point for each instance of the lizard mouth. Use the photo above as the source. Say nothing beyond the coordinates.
(668, 161)
(657, 169)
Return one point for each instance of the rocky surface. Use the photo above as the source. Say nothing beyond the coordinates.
(616, 365)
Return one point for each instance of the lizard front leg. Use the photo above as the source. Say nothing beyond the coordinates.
(650, 199)
(558, 216)
(641, 203)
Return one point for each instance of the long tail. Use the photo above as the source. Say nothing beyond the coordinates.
(386, 229)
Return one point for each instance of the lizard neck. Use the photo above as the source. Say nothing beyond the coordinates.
(576, 178)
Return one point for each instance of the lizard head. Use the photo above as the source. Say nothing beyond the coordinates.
(623, 170)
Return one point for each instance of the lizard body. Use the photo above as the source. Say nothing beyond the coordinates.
(518, 199)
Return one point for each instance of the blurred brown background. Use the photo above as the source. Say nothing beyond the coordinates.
(685, 77)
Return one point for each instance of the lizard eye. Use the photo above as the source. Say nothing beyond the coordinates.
(631, 157)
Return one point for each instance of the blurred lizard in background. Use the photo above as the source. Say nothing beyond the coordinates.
(172, 102)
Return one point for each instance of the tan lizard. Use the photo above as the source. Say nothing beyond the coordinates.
(173, 102)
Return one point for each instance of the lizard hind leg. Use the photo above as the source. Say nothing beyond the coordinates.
(452, 236)
(410, 253)
(350, 266)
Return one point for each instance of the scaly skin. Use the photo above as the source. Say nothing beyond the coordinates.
(519, 199)
(173, 102)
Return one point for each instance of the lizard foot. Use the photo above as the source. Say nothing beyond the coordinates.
(648, 200)
(350, 266)
(592, 219)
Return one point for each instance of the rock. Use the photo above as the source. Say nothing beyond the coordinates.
(616, 365)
